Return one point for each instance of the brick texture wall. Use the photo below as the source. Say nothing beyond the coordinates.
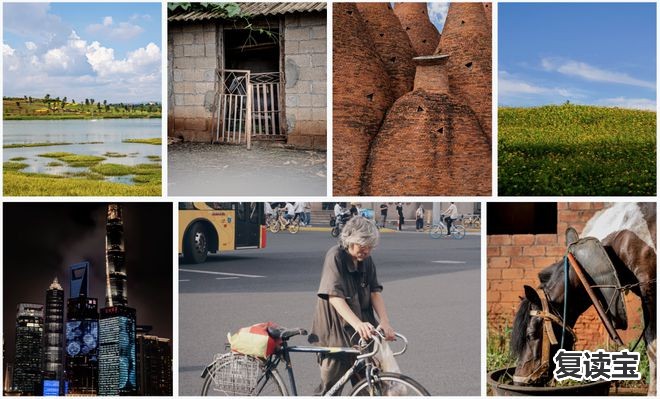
(361, 96)
(516, 260)
(414, 20)
(193, 59)
(429, 145)
(392, 44)
(466, 37)
(305, 69)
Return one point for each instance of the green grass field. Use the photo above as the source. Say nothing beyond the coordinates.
(27, 184)
(576, 150)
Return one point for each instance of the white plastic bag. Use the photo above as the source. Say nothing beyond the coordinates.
(387, 363)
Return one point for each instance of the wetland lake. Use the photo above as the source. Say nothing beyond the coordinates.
(82, 147)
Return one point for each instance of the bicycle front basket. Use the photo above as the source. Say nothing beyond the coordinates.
(235, 374)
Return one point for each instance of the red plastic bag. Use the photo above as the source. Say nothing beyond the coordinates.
(254, 340)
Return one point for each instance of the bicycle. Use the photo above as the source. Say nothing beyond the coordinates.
(340, 221)
(472, 220)
(233, 374)
(440, 230)
(279, 223)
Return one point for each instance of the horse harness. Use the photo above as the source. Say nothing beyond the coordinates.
(548, 339)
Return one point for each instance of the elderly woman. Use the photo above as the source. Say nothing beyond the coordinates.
(348, 295)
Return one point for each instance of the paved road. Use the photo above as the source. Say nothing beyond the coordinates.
(432, 291)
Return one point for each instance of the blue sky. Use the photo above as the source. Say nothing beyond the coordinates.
(79, 50)
(438, 13)
(585, 53)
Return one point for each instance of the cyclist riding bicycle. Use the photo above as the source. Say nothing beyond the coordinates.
(349, 298)
(450, 214)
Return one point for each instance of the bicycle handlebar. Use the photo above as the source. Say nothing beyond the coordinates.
(376, 339)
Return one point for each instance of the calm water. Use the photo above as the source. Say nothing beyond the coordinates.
(109, 132)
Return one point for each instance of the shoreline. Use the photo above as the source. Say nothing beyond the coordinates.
(76, 117)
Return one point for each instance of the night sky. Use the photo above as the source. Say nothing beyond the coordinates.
(41, 241)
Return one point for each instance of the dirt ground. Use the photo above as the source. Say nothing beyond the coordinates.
(200, 169)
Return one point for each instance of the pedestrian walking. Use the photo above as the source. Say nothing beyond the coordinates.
(419, 218)
(383, 214)
(399, 209)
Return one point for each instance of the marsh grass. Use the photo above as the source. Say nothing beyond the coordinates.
(576, 150)
(74, 160)
(25, 145)
(31, 184)
(54, 164)
(154, 158)
(153, 141)
(114, 155)
(18, 159)
(15, 165)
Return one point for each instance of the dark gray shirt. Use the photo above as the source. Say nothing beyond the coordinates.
(340, 277)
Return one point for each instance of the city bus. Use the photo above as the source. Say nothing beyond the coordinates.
(219, 227)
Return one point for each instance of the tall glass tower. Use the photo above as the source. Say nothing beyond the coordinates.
(117, 362)
(53, 353)
(29, 353)
(116, 291)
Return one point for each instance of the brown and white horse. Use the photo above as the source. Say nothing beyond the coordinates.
(628, 233)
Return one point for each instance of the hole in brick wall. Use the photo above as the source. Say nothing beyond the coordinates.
(420, 109)
(462, 22)
(370, 97)
(381, 34)
(469, 65)
(393, 59)
(424, 41)
(407, 27)
(349, 12)
(441, 130)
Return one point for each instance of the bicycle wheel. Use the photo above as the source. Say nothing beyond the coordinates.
(294, 226)
(233, 374)
(274, 226)
(335, 231)
(436, 231)
(458, 232)
(390, 384)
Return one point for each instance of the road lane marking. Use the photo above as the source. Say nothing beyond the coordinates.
(221, 274)
(226, 278)
(452, 262)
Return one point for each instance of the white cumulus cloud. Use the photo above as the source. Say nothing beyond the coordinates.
(122, 30)
(30, 46)
(632, 103)
(592, 73)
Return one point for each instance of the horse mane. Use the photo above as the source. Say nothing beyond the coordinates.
(521, 321)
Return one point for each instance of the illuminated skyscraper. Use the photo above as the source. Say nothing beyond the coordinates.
(82, 333)
(53, 367)
(154, 362)
(29, 348)
(117, 363)
(116, 292)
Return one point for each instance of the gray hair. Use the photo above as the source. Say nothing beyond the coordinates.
(359, 230)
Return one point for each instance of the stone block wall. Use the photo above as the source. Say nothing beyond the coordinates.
(193, 59)
(516, 260)
(305, 70)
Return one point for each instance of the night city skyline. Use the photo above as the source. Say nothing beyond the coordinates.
(42, 241)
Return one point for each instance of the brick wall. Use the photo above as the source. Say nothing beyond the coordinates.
(192, 56)
(429, 145)
(414, 20)
(361, 96)
(466, 37)
(516, 260)
(305, 71)
(392, 44)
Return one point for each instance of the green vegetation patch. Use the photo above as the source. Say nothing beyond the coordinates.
(77, 161)
(576, 150)
(142, 173)
(25, 145)
(15, 165)
(154, 141)
(112, 169)
(154, 158)
(110, 154)
(24, 184)
(18, 159)
(54, 164)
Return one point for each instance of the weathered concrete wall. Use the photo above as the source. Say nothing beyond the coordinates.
(361, 96)
(305, 66)
(392, 44)
(516, 260)
(414, 19)
(192, 49)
